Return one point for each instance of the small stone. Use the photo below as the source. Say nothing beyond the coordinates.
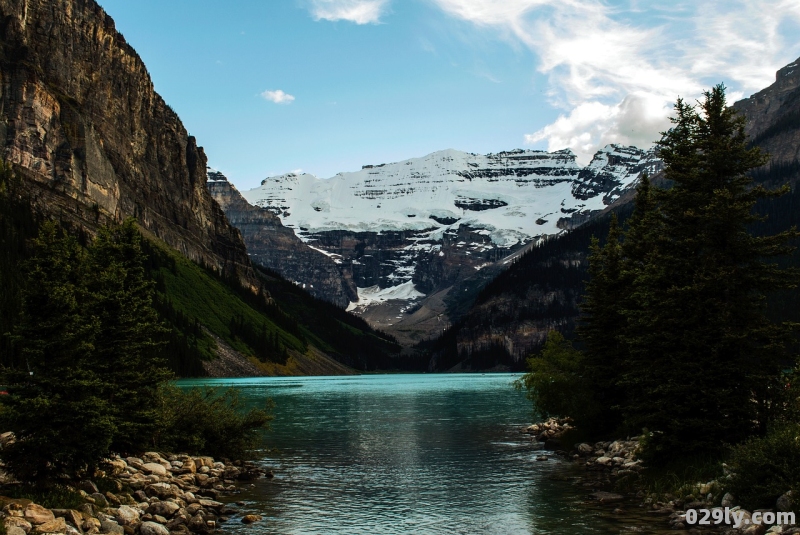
(36, 514)
(541, 458)
(212, 504)
(14, 530)
(249, 519)
(152, 528)
(755, 529)
(58, 525)
(606, 497)
(100, 500)
(155, 468)
(127, 515)
(198, 524)
(165, 509)
(110, 527)
(87, 486)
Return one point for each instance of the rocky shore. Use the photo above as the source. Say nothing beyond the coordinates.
(612, 465)
(154, 494)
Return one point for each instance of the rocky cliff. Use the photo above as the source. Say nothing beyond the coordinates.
(276, 247)
(773, 123)
(81, 121)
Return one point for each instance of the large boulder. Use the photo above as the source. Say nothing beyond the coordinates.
(57, 525)
(18, 522)
(36, 514)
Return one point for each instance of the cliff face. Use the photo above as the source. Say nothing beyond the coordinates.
(276, 247)
(81, 121)
(773, 122)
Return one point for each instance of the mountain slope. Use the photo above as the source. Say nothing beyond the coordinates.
(276, 247)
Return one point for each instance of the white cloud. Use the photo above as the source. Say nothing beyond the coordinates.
(615, 71)
(278, 97)
(358, 11)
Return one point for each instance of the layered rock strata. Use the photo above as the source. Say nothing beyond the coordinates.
(272, 245)
(81, 121)
(773, 117)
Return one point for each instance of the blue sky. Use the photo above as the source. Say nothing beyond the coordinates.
(271, 86)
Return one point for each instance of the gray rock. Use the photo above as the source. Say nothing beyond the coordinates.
(112, 528)
(155, 469)
(165, 509)
(785, 502)
(728, 500)
(127, 516)
(152, 528)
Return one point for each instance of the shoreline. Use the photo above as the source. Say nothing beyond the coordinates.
(155, 494)
(606, 466)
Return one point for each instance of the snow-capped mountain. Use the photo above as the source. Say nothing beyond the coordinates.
(514, 196)
(413, 228)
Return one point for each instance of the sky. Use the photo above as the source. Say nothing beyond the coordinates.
(325, 86)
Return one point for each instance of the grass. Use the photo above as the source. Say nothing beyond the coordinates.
(196, 293)
(57, 497)
(678, 480)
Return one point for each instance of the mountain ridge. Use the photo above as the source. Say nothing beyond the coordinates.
(409, 233)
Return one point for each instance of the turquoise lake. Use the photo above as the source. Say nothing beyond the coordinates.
(418, 454)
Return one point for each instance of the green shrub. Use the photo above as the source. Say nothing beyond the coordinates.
(210, 422)
(767, 467)
(555, 382)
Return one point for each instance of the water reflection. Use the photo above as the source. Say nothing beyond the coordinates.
(422, 454)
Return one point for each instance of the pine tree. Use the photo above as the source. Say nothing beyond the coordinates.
(702, 357)
(600, 329)
(55, 408)
(127, 353)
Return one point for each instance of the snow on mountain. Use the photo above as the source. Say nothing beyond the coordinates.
(515, 196)
(410, 228)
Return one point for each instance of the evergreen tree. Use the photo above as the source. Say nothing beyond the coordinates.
(703, 360)
(556, 381)
(55, 408)
(600, 329)
(127, 352)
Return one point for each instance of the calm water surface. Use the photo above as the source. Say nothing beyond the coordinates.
(421, 454)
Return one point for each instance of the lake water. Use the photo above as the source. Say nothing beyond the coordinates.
(417, 454)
